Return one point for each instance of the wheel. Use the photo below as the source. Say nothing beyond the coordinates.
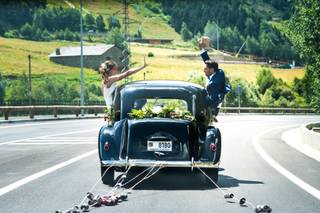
(219, 144)
(213, 174)
(107, 177)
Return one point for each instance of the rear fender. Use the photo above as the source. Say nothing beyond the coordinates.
(213, 136)
(113, 135)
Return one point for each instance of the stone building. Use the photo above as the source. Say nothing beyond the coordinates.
(93, 56)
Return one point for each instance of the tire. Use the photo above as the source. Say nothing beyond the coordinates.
(213, 174)
(219, 145)
(107, 177)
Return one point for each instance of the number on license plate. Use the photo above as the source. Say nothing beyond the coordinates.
(165, 146)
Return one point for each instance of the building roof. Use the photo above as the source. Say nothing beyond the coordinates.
(87, 50)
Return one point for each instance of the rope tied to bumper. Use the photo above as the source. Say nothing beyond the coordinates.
(112, 198)
(242, 201)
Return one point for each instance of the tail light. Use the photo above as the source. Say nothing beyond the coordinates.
(107, 146)
(213, 147)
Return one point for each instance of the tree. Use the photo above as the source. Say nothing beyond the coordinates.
(18, 91)
(267, 46)
(68, 35)
(197, 78)
(117, 38)
(303, 30)
(139, 32)
(2, 90)
(113, 22)
(248, 93)
(265, 80)
(1, 30)
(89, 22)
(101, 26)
(210, 30)
(231, 39)
(250, 27)
(252, 46)
(26, 31)
(185, 32)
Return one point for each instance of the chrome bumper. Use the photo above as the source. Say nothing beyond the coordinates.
(148, 163)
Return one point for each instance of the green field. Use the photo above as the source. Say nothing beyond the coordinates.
(14, 61)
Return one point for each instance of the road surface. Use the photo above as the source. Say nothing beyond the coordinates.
(46, 166)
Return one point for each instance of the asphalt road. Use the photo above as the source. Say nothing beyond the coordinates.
(46, 166)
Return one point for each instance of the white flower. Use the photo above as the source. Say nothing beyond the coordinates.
(156, 109)
(177, 111)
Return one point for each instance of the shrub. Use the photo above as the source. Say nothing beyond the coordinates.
(197, 78)
(265, 80)
(12, 34)
(150, 54)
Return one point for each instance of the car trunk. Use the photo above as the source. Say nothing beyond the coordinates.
(159, 139)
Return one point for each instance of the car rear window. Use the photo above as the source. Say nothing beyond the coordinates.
(158, 103)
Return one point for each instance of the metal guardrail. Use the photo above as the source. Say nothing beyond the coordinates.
(268, 110)
(32, 110)
(55, 109)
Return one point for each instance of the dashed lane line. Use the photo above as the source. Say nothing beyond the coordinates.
(294, 179)
(37, 124)
(44, 136)
(44, 172)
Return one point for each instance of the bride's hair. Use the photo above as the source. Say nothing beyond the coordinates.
(105, 68)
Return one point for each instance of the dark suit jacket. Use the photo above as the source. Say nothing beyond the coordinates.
(216, 85)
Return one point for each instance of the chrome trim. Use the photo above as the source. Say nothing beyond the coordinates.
(194, 105)
(147, 163)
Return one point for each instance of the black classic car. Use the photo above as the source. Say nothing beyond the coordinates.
(168, 141)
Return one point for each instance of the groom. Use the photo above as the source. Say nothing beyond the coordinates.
(216, 88)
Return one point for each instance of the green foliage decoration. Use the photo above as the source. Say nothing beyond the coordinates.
(168, 111)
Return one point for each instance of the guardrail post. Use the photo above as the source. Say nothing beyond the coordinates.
(31, 114)
(6, 115)
(55, 112)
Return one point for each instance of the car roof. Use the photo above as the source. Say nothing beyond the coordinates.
(163, 84)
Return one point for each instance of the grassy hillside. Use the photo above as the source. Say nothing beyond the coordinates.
(14, 53)
(138, 15)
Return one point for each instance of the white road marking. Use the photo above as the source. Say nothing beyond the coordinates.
(44, 172)
(38, 124)
(44, 140)
(51, 143)
(303, 185)
(45, 136)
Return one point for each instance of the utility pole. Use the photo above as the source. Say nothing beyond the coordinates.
(81, 62)
(126, 20)
(30, 88)
(125, 51)
(239, 97)
(217, 37)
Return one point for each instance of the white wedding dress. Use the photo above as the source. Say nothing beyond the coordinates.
(108, 94)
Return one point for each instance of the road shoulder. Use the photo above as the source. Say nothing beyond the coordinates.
(292, 137)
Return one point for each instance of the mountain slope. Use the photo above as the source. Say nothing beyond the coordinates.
(154, 25)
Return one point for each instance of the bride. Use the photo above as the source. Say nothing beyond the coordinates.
(108, 71)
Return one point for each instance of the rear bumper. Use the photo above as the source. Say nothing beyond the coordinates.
(148, 163)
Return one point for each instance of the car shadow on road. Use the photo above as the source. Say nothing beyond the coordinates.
(186, 180)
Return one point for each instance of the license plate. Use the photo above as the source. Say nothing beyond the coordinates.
(165, 146)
